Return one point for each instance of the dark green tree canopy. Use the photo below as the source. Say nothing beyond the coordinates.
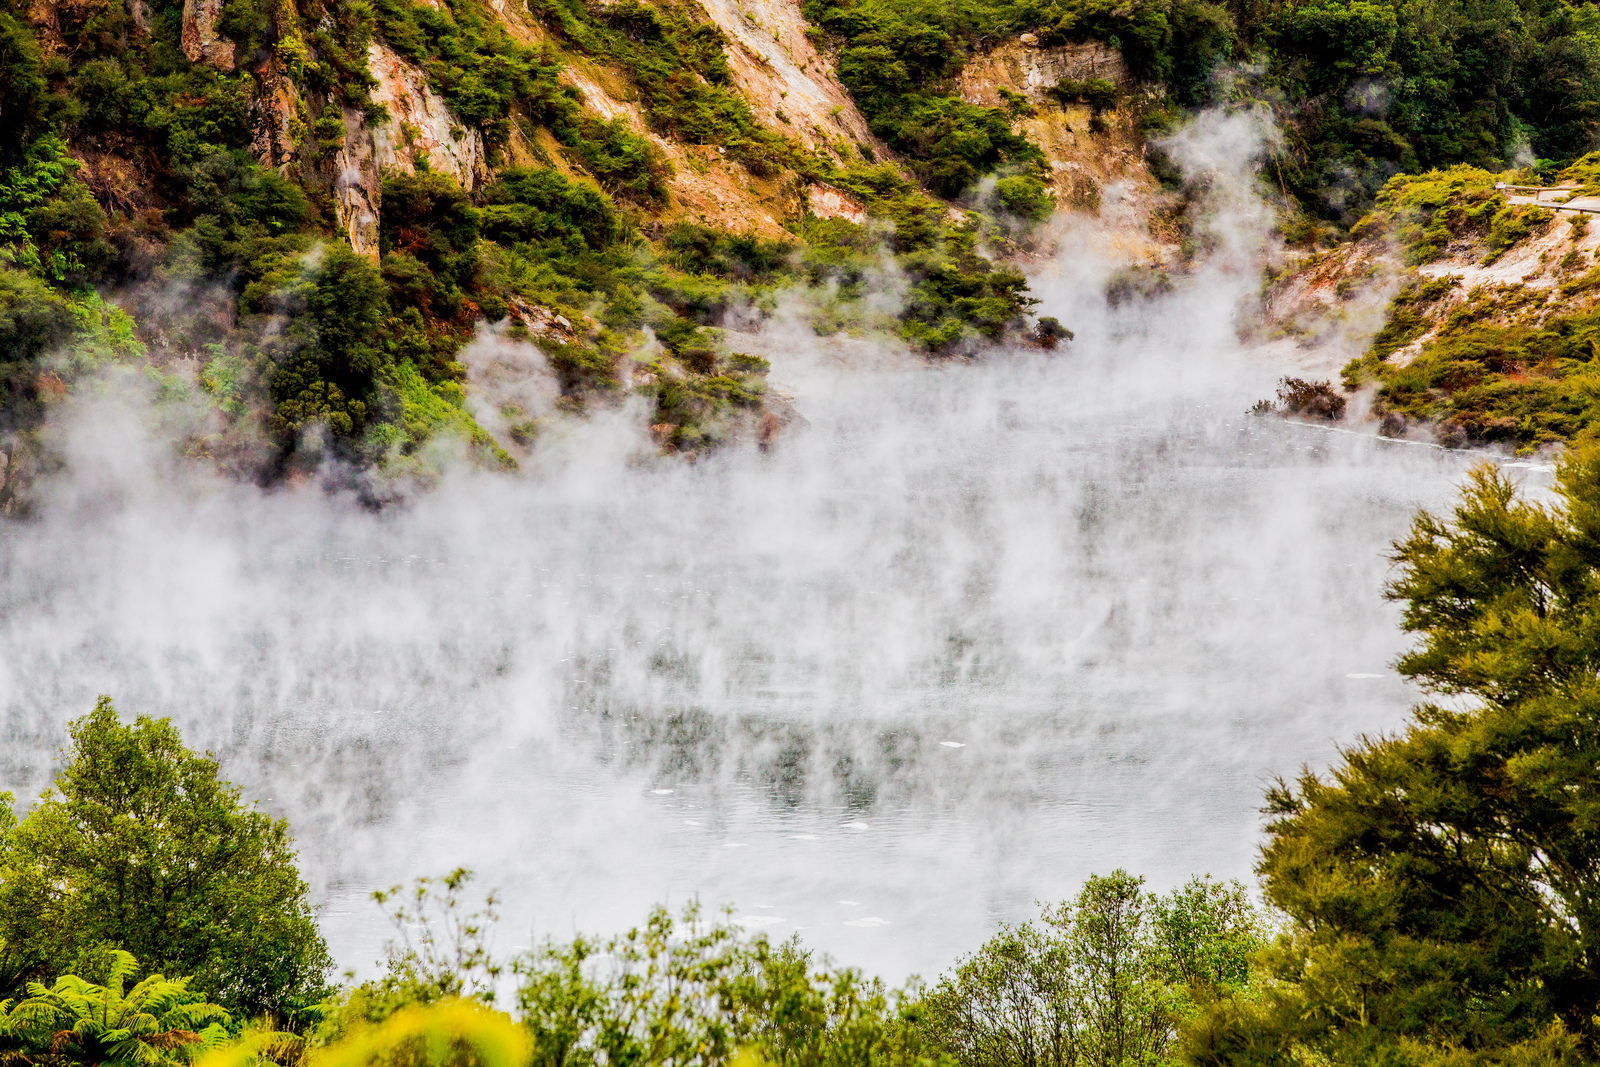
(141, 845)
(1445, 883)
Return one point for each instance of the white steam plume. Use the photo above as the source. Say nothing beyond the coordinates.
(1124, 600)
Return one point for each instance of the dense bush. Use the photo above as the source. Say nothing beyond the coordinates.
(1106, 978)
(1526, 384)
(540, 206)
(1384, 87)
(1367, 89)
(897, 60)
(328, 359)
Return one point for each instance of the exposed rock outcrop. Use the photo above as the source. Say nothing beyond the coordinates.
(1097, 157)
(540, 321)
(277, 118)
(421, 127)
(201, 41)
(139, 11)
(788, 84)
(705, 185)
(826, 202)
(357, 183)
(1033, 72)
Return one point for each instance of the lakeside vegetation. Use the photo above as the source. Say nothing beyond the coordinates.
(1484, 356)
(1430, 900)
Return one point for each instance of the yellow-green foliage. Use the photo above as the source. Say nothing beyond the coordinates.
(1407, 321)
(1581, 284)
(1526, 383)
(1510, 225)
(432, 409)
(1495, 367)
(157, 1023)
(1426, 212)
(105, 333)
(1585, 172)
(450, 1031)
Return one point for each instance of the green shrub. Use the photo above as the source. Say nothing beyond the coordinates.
(1025, 196)
(22, 87)
(1105, 978)
(743, 257)
(1525, 384)
(1098, 93)
(624, 163)
(540, 205)
(329, 358)
(1510, 225)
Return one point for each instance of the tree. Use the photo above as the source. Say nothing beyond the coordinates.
(1444, 883)
(330, 357)
(22, 86)
(1104, 979)
(1209, 933)
(140, 844)
(1011, 1002)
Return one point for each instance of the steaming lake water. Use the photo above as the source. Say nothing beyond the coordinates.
(980, 630)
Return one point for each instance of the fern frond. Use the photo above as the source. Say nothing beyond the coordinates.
(122, 966)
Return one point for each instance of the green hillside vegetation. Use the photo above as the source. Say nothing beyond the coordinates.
(137, 221)
(1365, 90)
(1394, 87)
(1501, 362)
(304, 342)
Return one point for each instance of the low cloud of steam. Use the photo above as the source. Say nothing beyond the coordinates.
(1521, 154)
(1369, 98)
(1220, 151)
(611, 681)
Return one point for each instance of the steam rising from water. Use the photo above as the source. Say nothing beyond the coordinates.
(984, 628)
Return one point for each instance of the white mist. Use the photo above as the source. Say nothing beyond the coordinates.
(984, 628)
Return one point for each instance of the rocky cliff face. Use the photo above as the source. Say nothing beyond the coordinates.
(1033, 71)
(787, 82)
(201, 41)
(1097, 157)
(420, 128)
(277, 117)
(421, 125)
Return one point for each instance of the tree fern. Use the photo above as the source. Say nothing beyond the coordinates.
(157, 1023)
